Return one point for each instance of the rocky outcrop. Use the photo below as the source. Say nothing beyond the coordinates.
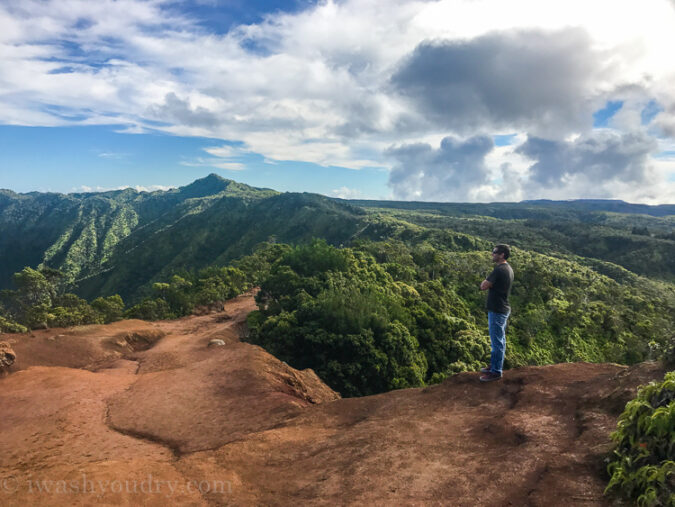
(7, 357)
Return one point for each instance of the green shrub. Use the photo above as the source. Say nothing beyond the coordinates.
(150, 309)
(110, 308)
(642, 466)
(9, 326)
(36, 316)
(70, 310)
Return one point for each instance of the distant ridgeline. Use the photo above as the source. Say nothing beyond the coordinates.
(120, 242)
(637, 237)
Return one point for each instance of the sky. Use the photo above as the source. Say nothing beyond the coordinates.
(445, 100)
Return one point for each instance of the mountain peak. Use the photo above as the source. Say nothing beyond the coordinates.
(215, 177)
(209, 185)
(214, 184)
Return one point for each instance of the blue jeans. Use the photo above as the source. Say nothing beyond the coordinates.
(497, 327)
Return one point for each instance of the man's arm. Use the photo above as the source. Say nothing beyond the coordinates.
(490, 280)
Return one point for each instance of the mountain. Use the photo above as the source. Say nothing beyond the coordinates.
(123, 240)
(186, 400)
(115, 242)
(145, 413)
(216, 232)
(79, 233)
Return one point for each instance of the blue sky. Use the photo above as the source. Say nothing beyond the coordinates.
(222, 16)
(99, 158)
(444, 100)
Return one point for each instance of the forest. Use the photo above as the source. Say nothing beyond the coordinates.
(121, 242)
(380, 315)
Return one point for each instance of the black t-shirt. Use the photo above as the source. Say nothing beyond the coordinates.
(498, 295)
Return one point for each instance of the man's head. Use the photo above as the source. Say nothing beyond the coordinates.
(501, 253)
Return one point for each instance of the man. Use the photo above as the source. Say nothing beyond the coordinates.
(498, 285)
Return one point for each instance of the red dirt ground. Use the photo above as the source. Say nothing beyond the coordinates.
(146, 413)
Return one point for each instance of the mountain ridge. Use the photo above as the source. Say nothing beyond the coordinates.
(214, 183)
(88, 236)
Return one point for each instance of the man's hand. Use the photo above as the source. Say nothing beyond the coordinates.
(485, 285)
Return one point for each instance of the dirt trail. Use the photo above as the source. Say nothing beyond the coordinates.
(148, 413)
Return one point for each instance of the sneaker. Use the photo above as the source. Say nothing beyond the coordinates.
(487, 369)
(489, 377)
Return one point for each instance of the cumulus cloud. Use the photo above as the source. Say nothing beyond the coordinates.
(148, 188)
(346, 193)
(602, 164)
(453, 172)
(665, 120)
(321, 75)
(182, 112)
(600, 157)
(138, 188)
(532, 80)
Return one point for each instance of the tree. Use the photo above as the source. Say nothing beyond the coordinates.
(111, 308)
(33, 288)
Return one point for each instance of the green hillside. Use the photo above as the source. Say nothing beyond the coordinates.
(120, 242)
(88, 235)
(641, 238)
(216, 232)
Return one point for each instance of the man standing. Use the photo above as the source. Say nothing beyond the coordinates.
(498, 285)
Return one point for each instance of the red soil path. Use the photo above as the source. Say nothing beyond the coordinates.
(137, 413)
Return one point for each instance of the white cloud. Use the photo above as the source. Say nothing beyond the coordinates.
(230, 166)
(147, 188)
(226, 157)
(112, 155)
(545, 82)
(321, 84)
(138, 188)
(346, 193)
(456, 171)
(224, 151)
(214, 162)
(601, 164)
